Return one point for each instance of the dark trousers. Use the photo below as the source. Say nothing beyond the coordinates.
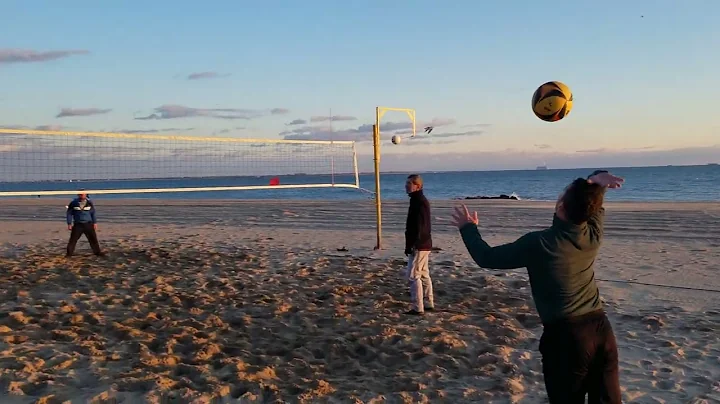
(580, 356)
(88, 230)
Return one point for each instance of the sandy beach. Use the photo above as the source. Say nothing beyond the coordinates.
(286, 301)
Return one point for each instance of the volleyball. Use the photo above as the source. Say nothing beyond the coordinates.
(552, 101)
(396, 139)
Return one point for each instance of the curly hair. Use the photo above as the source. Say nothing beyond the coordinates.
(582, 200)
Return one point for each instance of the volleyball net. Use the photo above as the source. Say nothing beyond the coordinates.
(34, 162)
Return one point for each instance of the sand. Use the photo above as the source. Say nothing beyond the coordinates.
(228, 301)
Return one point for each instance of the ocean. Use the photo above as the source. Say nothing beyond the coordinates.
(669, 183)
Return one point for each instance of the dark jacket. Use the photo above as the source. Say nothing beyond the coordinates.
(560, 261)
(81, 214)
(417, 227)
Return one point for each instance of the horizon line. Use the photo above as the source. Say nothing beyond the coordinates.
(535, 169)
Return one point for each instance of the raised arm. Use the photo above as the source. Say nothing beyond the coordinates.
(606, 180)
(507, 256)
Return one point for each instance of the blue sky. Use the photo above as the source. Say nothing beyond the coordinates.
(644, 74)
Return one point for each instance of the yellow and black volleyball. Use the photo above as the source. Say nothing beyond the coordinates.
(552, 101)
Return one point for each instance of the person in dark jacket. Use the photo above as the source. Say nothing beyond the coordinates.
(578, 345)
(81, 220)
(418, 244)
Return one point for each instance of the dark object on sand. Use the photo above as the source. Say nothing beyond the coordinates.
(503, 196)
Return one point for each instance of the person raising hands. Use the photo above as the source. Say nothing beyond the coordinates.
(578, 345)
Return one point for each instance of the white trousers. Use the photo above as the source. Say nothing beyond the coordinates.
(418, 276)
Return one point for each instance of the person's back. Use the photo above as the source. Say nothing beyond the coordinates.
(578, 345)
(418, 227)
(562, 269)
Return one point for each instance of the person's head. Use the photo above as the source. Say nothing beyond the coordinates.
(414, 183)
(82, 195)
(580, 201)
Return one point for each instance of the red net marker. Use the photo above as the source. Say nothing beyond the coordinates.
(275, 181)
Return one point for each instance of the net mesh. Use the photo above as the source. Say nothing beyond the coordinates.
(43, 156)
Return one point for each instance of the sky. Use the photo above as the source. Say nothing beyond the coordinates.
(644, 75)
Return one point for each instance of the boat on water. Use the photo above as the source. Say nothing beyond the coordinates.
(541, 167)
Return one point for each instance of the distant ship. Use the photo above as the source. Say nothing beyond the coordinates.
(543, 167)
(713, 164)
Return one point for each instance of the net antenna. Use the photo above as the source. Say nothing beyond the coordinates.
(37, 163)
(379, 113)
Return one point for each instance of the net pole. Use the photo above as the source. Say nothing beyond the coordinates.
(355, 167)
(332, 157)
(379, 112)
(376, 153)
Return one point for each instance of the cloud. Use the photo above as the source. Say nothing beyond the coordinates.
(150, 131)
(55, 128)
(425, 159)
(69, 112)
(606, 150)
(229, 130)
(426, 142)
(205, 75)
(8, 56)
(437, 122)
(439, 138)
(39, 127)
(639, 148)
(279, 111)
(543, 146)
(450, 134)
(168, 159)
(172, 111)
(477, 125)
(360, 133)
(591, 151)
(296, 122)
(334, 118)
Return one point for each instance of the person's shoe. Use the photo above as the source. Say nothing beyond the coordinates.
(414, 313)
(100, 254)
(430, 309)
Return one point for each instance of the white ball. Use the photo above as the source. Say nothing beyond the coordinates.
(396, 139)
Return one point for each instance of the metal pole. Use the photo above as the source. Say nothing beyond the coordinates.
(376, 151)
(355, 167)
(332, 152)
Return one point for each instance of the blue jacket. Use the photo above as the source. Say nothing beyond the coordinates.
(80, 214)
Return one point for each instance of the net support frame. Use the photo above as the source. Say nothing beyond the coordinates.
(379, 113)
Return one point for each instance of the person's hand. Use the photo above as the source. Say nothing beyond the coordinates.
(94, 226)
(461, 217)
(606, 180)
(408, 251)
(69, 227)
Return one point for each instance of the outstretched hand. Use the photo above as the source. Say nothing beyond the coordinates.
(462, 216)
(607, 180)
